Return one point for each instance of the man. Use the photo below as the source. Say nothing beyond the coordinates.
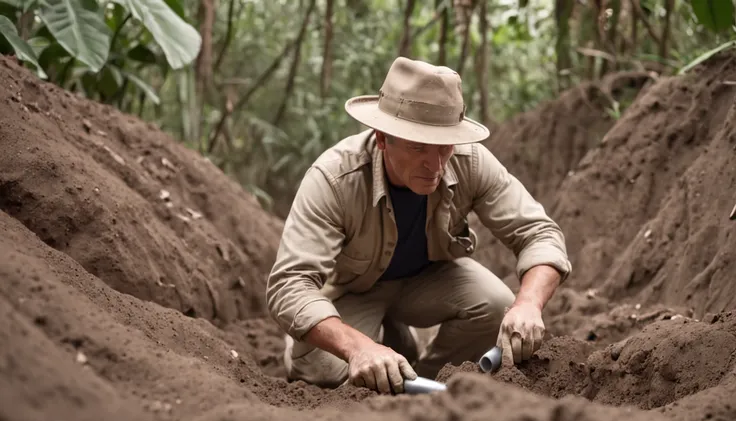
(377, 240)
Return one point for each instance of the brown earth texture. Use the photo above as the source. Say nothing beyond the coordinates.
(132, 270)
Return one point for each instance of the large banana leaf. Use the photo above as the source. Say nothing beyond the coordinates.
(179, 40)
(22, 50)
(716, 15)
(81, 32)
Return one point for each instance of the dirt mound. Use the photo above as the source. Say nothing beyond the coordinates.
(70, 342)
(143, 213)
(666, 361)
(541, 147)
(76, 348)
(646, 214)
(112, 234)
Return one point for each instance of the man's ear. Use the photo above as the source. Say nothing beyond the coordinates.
(380, 140)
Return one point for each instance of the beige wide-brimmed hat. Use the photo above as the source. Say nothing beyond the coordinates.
(419, 102)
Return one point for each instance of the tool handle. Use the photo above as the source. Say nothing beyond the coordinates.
(422, 385)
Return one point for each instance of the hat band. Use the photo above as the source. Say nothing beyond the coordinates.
(421, 112)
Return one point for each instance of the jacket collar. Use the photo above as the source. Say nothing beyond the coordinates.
(380, 186)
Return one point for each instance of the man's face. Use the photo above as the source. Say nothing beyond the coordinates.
(418, 166)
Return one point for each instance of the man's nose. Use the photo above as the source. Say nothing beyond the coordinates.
(433, 162)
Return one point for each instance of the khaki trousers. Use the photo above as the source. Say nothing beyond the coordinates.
(466, 299)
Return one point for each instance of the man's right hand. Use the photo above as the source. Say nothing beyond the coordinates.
(379, 368)
(370, 364)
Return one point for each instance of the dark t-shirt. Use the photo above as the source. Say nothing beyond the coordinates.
(410, 255)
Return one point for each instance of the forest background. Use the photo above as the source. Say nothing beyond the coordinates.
(259, 86)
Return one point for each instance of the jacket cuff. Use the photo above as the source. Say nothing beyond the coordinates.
(309, 315)
(544, 254)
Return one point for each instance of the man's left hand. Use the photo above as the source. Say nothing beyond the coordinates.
(521, 332)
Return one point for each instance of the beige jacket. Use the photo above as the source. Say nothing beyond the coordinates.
(340, 233)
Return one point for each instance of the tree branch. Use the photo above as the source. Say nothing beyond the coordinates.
(441, 7)
(203, 70)
(260, 82)
(228, 35)
(464, 17)
(326, 75)
(664, 44)
(640, 14)
(294, 63)
(405, 43)
(481, 66)
(444, 29)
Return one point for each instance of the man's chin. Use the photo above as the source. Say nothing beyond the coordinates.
(425, 188)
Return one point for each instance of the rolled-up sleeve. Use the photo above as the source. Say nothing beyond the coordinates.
(312, 237)
(509, 211)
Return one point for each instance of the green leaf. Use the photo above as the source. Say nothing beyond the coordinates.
(706, 56)
(52, 55)
(179, 40)
(143, 54)
(38, 44)
(716, 15)
(143, 86)
(22, 49)
(176, 6)
(18, 4)
(110, 80)
(81, 32)
(28, 5)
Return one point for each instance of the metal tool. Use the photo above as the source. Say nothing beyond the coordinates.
(491, 360)
(423, 385)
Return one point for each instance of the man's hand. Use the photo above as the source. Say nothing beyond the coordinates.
(521, 332)
(522, 328)
(379, 368)
(370, 364)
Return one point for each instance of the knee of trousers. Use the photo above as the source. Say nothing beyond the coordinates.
(485, 309)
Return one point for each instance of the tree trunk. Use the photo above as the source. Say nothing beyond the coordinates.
(294, 63)
(327, 54)
(563, 12)
(444, 29)
(481, 66)
(405, 44)
(203, 73)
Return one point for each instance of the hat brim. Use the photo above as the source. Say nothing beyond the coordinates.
(365, 109)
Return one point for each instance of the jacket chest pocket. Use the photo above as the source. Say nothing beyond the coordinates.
(462, 239)
(348, 269)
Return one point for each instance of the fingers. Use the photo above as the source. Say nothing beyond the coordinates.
(527, 346)
(406, 369)
(395, 377)
(364, 377)
(507, 354)
(379, 371)
(358, 381)
(519, 339)
(516, 343)
(538, 335)
(383, 374)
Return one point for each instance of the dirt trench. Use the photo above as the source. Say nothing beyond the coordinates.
(132, 280)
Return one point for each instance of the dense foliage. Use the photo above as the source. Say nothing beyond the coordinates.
(259, 86)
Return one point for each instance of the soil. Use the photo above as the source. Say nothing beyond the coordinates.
(133, 270)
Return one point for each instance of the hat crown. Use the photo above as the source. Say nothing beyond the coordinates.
(423, 93)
